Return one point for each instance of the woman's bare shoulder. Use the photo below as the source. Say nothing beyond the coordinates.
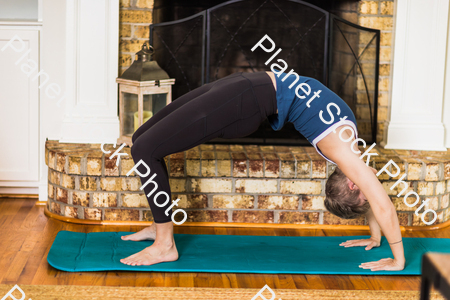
(334, 147)
(272, 76)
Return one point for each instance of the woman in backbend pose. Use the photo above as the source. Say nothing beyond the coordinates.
(235, 106)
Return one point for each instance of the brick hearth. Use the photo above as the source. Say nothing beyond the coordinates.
(231, 183)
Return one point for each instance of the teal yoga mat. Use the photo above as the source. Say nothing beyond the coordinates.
(102, 251)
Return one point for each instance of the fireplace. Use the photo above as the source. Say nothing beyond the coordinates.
(200, 41)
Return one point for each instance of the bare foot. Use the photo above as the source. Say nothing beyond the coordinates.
(148, 233)
(153, 254)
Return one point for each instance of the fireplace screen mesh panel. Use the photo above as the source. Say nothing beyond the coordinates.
(235, 28)
(354, 54)
(315, 43)
(179, 50)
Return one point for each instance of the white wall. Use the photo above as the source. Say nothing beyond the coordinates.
(19, 113)
(53, 61)
(49, 53)
(78, 50)
(20, 98)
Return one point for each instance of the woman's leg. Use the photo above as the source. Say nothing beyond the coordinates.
(214, 113)
(149, 233)
(166, 110)
(228, 109)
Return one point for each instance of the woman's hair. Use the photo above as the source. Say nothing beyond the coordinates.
(340, 200)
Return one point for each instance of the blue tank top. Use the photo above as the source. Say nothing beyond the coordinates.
(303, 109)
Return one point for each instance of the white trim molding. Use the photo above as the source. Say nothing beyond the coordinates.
(19, 99)
(446, 108)
(418, 75)
(19, 190)
(92, 51)
(416, 136)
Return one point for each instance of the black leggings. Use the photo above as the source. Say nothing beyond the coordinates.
(230, 107)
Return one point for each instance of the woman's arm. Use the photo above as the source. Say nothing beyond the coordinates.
(383, 209)
(375, 235)
(375, 232)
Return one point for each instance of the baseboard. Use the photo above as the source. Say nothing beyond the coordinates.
(19, 192)
(29, 196)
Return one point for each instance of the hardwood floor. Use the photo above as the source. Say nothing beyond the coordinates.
(26, 236)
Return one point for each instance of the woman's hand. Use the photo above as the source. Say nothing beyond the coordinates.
(370, 243)
(385, 264)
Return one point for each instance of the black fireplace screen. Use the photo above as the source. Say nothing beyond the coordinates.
(315, 43)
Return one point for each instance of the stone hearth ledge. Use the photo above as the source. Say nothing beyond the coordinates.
(232, 183)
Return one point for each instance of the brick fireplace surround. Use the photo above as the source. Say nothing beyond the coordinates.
(232, 184)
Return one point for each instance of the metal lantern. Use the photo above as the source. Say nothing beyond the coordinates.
(144, 88)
